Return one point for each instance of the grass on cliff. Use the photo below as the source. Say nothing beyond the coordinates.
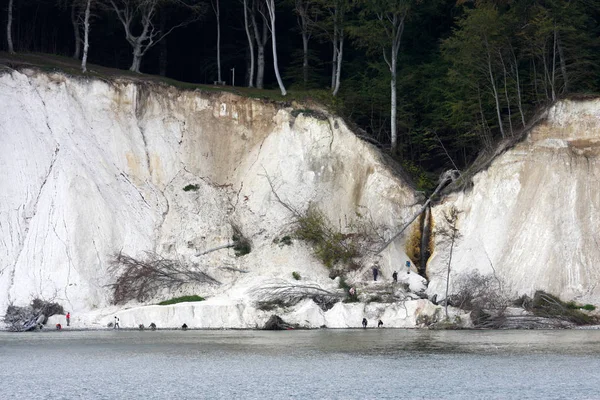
(183, 299)
(54, 63)
(331, 246)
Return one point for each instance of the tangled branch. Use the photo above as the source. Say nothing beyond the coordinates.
(284, 293)
(142, 279)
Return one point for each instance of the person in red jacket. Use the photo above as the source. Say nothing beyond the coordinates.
(68, 318)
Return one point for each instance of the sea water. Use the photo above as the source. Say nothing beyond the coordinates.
(317, 364)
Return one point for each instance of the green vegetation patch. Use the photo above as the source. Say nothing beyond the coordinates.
(331, 246)
(190, 187)
(183, 299)
(296, 275)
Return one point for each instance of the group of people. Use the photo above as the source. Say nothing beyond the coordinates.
(394, 275)
(365, 322)
(375, 276)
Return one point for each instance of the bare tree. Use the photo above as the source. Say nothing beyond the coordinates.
(271, 10)
(216, 8)
(11, 48)
(450, 234)
(143, 12)
(247, 23)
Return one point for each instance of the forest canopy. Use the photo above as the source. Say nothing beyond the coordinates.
(435, 82)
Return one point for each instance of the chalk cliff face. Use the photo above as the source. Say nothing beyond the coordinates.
(534, 215)
(90, 168)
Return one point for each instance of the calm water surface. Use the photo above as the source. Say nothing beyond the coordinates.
(320, 364)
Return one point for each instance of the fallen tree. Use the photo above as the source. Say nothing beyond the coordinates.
(33, 316)
(284, 294)
(142, 279)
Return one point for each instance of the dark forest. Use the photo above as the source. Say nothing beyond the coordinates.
(466, 74)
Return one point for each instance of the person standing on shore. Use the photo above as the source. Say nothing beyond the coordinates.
(364, 323)
(408, 267)
(116, 326)
(68, 319)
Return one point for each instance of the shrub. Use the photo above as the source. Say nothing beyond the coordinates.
(287, 240)
(241, 245)
(191, 187)
(331, 247)
(296, 275)
(589, 307)
(183, 299)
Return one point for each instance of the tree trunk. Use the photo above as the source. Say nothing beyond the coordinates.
(86, 36)
(271, 7)
(250, 45)
(261, 40)
(338, 69)
(394, 127)
(518, 82)
(563, 65)
(506, 94)
(494, 89)
(163, 50)
(553, 79)
(305, 58)
(335, 53)
(260, 72)
(137, 58)
(448, 275)
(76, 32)
(218, 14)
(11, 48)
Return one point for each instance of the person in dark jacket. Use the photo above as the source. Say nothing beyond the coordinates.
(364, 323)
(375, 272)
(395, 276)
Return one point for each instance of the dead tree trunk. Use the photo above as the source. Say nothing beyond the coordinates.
(11, 48)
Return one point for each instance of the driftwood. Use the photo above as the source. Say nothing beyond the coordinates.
(141, 279)
(284, 293)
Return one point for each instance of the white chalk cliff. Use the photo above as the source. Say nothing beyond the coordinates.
(533, 216)
(90, 168)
